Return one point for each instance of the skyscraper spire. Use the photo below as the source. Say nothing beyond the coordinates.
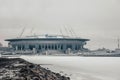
(118, 43)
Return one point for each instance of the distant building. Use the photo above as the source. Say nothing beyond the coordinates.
(40, 44)
(5, 49)
(1, 45)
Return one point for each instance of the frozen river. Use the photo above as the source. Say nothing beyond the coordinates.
(81, 68)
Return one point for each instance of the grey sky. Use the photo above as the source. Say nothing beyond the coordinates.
(98, 20)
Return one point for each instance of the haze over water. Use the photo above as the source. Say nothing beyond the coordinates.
(81, 68)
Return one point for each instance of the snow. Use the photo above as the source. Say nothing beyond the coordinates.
(80, 68)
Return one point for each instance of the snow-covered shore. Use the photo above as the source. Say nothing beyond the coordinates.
(19, 69)
(80, 68)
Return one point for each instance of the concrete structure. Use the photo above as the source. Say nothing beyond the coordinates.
(39, 44)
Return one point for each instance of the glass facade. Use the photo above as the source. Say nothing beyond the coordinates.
(48, 44)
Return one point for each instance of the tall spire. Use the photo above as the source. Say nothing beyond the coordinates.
(118, 43)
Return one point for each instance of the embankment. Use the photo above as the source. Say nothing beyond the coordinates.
(19, 69)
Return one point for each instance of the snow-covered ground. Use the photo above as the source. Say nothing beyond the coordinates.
(81, 68)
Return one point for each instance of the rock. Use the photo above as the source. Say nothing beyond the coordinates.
(23, 70)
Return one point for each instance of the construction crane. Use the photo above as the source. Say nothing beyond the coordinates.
(22, 32)
(73, 31)
(61, 32)
(31, 32)
(70, 31)
(118, 43)
(66, 31)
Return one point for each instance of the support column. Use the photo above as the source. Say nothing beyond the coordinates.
(76, 47)
(50, 46)
(61, 47)
(21, 47)
(57, 46)
(16, 48)
(47, 46)
(26, 47)
(40, 47)
(37, 47)
(43, 46)
(53, 46)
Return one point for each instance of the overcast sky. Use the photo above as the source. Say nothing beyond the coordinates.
(98, 20)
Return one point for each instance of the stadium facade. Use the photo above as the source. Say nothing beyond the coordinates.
(40, 43)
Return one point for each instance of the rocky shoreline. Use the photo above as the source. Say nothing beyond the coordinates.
(19, 69)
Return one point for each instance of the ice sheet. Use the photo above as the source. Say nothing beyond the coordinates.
(81, 68)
